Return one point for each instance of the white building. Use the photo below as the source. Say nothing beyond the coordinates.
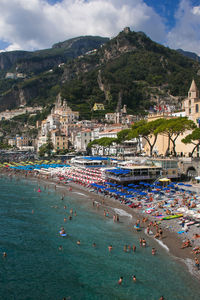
(82, 139)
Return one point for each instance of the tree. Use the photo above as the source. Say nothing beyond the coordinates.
(174, 128)
(191, 138)
(49, 144)
(147, 130)
(103, 142)
(123, 135)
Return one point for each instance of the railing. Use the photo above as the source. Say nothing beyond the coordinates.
(130, 178)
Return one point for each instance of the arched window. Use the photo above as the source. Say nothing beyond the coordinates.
(189, 102)
(197, 108)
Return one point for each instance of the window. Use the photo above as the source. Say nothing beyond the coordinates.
(197, 108)
(189, 102)
(189, 111)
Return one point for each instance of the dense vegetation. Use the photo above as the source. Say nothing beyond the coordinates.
(132, 69)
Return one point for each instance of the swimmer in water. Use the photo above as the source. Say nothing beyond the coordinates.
(110, 248)
(134, 248)
(70, 218)
(65, 219)
(4, 254)
(94, 245)
(120, 280)
(134, 278)
(153, 251)
(75, 214)
(78, 242)
(60, 248)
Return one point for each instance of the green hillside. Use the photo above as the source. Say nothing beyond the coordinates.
(130, 69)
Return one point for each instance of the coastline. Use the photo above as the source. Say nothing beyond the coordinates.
(170, 241)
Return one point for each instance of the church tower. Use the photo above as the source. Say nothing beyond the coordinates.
(193, 91)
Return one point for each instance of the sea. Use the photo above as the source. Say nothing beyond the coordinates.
(40, 264)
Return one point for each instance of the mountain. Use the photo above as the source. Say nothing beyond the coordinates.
(32, 63)
(189, 54)
(129, 69)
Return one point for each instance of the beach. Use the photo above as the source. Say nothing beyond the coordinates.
(119, 233)
(171, 241)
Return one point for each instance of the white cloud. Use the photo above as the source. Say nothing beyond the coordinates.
(186, 33)
(37, 24)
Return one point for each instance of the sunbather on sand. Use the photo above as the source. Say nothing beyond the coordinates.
(186, 244)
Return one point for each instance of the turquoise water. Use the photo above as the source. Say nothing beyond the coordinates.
(36, 269)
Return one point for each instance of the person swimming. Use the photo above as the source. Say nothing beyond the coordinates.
(110, 247)
(153, 251)
(120, 280)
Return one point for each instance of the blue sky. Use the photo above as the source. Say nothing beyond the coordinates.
(37, 24)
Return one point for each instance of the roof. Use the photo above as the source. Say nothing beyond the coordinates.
(140, 167)
(110, 131)
(193, 87)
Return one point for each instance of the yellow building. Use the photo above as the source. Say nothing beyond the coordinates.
(60, 141)
(98, 106)
(191, 109)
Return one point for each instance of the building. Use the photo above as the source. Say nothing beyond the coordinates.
(133, 173)
(190, 109)
(120, 117)
(58, 124)
(191, 105)
(98, 106)
(170, 167)
(82, 139)
(59, 140)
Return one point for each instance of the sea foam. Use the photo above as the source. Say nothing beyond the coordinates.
(122, 212)
(162, 245)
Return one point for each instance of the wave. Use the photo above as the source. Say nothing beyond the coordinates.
(191, 267)
(162, 245)
(122, 212)
(80, 194)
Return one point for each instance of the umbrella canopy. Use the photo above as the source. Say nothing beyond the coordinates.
(164, 180)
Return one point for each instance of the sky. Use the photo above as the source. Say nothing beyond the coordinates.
(38, 24)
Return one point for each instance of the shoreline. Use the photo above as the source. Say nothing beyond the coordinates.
(170, 240)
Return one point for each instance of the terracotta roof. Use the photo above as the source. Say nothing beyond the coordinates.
(110, 131)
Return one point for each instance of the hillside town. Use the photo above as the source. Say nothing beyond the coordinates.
(69, 134)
